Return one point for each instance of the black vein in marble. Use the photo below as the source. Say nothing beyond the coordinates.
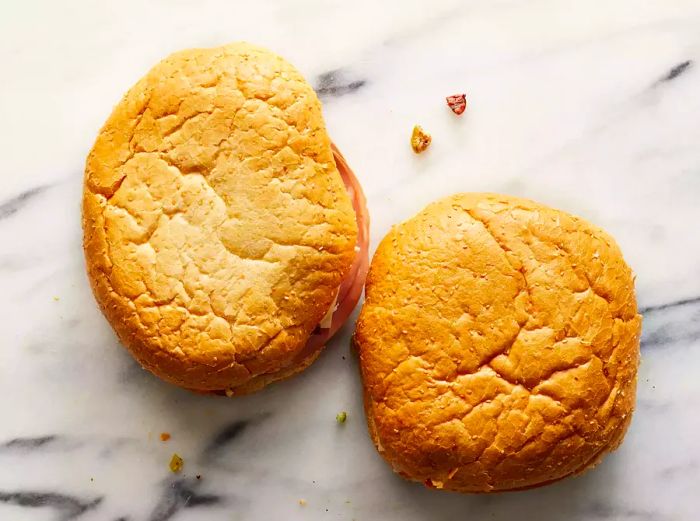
(226, 435)
(600, 510)
(671, 323)
(669, 305)
(13, 205)
(178, 495)
(67, 507)
(675, 71)
(665, 337)
(334, 84)
(28, 443)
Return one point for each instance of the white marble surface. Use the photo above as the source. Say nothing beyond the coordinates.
(571, 103)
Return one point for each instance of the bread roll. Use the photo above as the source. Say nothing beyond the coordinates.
(217, 229)
(499, 345)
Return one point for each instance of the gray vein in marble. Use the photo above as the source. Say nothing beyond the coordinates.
(34, 444)
(14, 204)
(599, 510)
(181, 494)
(228, 433)
(675, 71)
(668, 305)
(667, 324)
(675, 470)
(68, 507)
(28, 443)
(116, 445)
(334, 84)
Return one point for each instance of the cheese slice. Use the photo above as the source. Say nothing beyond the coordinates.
(327, 320)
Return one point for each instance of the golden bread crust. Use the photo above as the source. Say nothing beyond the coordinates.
(216, 226)
(499, 344)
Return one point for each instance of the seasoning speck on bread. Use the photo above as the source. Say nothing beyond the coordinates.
(217, 228)
(499, 345)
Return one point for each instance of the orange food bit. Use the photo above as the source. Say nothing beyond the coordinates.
(457, 103)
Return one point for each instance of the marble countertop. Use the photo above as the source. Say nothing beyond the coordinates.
(592, 107)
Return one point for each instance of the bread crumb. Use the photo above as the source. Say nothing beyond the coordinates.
(302, 502)
(229, 392)
(56, 299)
(420, 139)
(176, 463)
(164, 436)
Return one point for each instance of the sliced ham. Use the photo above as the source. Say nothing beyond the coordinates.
(351, 287)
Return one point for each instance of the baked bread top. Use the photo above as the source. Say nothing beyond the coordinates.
(499, 344)
(217, 229)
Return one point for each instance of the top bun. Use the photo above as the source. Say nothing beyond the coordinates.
(217, 229)
(499, 344)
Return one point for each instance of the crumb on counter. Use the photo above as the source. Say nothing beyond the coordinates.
(176, 463)
(341, 417)
(164, 436)
(56, 299)
(198, 476)
(420, 139)
(457, 103)
(302, 502)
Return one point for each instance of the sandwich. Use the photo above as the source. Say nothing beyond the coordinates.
(225, 236)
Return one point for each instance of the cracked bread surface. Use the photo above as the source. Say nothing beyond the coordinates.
(217, 228)
(498, 344)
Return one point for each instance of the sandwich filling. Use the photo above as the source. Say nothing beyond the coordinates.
(351, 288)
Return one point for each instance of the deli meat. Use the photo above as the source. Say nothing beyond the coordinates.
(351, 287)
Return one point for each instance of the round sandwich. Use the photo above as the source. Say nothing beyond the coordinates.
(225, 237)
(499, 345)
